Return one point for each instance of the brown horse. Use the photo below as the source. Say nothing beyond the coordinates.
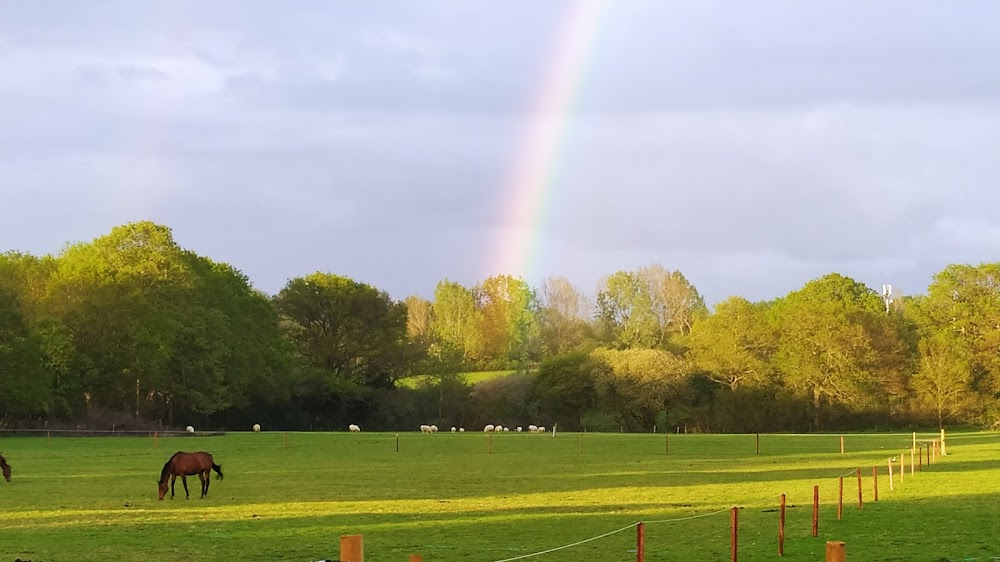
(188, 464)
(5, 467)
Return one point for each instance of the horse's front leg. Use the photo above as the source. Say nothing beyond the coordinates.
(173, 481)
(204, 484)
(184, 480)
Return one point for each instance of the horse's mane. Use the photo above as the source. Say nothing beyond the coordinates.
(3, 461)
(166, 467)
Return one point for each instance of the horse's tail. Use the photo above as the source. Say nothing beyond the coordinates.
(218, 469)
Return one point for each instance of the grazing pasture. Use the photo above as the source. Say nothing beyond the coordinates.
(445, 496)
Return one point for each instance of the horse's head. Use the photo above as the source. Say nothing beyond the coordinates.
(162, 487)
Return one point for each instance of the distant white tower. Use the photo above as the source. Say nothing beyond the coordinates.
(887, 296)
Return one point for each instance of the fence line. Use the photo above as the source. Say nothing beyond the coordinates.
(688, 518)
(565, 546)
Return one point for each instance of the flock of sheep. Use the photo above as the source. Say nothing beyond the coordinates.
(490, 428)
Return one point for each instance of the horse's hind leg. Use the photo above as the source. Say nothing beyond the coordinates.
(173, 481)
(184, 480)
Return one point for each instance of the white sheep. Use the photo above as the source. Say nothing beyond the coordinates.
(533, 428)
(489, 427)
(498, 428)
(256, 427)
(453, 429)
(353, 428)
(189, 429)
(506, 429)
(425, 429)
(461, 430)
(519, 429)
(434, 429)
(541, 429)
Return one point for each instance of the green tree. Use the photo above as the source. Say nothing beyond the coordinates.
(963, 306)
(456, 323)
(734, 345)
(25, 382)
(943, 381)
(675, 302)
(637, 384)
(564, 386)
(831, 335)
(625, 312)
(352, 337)
(507, 318)
(563, 317)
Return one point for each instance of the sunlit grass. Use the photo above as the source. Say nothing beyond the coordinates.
(469, 378)
(447, 497)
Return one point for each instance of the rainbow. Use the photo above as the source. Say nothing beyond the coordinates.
(535, 173)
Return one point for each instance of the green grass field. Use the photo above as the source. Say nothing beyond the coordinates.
(470, 378)
(446, 497)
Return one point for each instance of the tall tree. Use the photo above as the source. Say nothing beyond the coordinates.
(963, 306)
(675, 301)
(829, 334)
(563, 317)
(637, 384)
(625, 312)
(456, 322)
(507, 319)
(734, 345)
(25, 382)
(348, 329)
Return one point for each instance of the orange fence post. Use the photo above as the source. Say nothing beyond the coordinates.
(860, 504)
(840, 500)
(781, 528)
(875, 480)
(352, 548)
(815, 529)
(640, 542)
(735, 526)
(836, 551)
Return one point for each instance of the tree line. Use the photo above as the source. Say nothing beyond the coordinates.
(134, 330)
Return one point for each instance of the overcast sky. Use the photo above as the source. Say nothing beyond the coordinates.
(753, 145)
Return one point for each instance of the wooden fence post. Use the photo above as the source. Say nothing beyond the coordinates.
(352, 548)
(666, 444)
(733, 541)
(875, 480)
(914, 447)
(944, 452)
(640, 542)
(890, 474)
(840, 499)
(841, 444)
(902, 467)
(836, 551)
(861, 504)
(397, 442)
(781, 528)
(815, 527)
(911, 462)
(920, 459)
(758, 443)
